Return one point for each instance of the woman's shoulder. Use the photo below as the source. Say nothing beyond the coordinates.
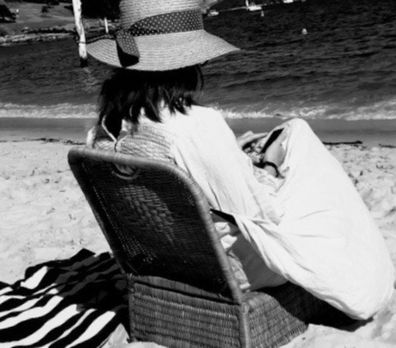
(99, 138)
(207, 117)
(205, 111)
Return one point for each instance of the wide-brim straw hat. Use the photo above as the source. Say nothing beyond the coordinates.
(159, 35)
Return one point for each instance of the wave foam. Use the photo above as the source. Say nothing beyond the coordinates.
(64, 110)
(384, 110)
(377, 111)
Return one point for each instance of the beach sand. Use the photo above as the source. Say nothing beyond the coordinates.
(44, 216)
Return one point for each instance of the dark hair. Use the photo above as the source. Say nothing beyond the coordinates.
(128, 92)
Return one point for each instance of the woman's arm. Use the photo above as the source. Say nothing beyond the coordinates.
(273, 154)
(246, 139)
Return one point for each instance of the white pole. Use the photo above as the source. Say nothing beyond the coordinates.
(106, 24)
(82, 46)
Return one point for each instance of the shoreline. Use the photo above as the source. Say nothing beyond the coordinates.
(368, 132)
(38, 22)
(21, 39)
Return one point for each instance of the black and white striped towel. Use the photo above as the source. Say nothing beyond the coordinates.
(76, 302)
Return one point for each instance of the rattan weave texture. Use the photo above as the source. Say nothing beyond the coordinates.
(180, 320)
(152, 224)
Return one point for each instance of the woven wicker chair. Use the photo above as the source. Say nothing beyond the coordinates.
(182, 292)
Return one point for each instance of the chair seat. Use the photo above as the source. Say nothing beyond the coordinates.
(267, 318)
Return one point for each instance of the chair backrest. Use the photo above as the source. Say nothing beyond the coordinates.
(156, 221)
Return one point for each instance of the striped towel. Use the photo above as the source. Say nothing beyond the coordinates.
(77, 302)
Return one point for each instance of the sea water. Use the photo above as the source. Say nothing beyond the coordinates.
(343, 68)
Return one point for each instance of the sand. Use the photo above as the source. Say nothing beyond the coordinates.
(44, 216)
(43, 213)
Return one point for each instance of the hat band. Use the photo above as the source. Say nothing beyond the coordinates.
(166, 23)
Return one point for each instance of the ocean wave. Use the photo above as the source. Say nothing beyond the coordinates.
(64, 110)
(385, 110)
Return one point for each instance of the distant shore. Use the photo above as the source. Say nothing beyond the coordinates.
(32, 25)
(29, 38)
(42, 34)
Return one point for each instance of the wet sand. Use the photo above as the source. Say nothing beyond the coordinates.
(371, 132)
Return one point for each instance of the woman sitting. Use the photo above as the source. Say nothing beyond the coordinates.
(298, 218)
